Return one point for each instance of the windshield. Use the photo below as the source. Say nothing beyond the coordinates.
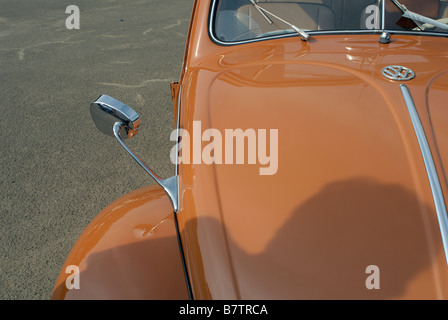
(242, 20)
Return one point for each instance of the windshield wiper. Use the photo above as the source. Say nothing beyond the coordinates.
(419, 18)
(304, 36)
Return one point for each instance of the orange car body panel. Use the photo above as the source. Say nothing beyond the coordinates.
(351, 189)
(129, 251)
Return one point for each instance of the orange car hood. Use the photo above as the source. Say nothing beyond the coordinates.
(350, 190)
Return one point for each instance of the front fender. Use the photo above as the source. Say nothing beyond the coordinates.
(129, 251)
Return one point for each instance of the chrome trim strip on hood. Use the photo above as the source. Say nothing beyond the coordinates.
(430, 168)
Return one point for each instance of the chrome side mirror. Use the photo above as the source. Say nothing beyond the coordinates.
(106, 111)
(116, 119)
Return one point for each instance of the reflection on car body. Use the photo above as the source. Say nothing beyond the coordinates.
(356, 209)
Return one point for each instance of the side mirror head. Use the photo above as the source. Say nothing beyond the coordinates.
(106, 111)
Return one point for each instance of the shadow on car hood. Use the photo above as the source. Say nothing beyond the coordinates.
(350, 191)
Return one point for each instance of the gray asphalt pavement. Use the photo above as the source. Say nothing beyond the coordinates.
(57, 170)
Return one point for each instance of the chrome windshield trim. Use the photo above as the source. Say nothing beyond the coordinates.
(430, 168)
(313, 33)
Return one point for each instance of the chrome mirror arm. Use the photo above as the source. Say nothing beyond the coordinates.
(169, 185)
(108, 112)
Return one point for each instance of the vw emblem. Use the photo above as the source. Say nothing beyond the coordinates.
(398, 73)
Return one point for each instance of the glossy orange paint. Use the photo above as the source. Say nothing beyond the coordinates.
(351, 188)
(129, 251)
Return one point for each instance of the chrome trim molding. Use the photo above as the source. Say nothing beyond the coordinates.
(313, 33)
(430, 168)
(176, 164)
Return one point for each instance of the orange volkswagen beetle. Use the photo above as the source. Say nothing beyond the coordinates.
(311, 149)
